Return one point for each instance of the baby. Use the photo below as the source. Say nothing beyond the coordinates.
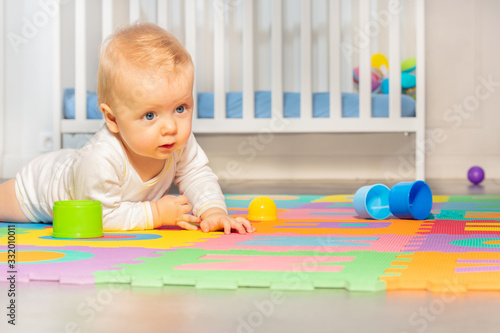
(145, 85)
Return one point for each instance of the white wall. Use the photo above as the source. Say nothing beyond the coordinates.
(28, 76)
(462, 52)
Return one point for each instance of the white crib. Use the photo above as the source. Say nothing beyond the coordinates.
(306, 123)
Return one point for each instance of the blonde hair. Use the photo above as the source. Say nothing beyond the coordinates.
(143, 46)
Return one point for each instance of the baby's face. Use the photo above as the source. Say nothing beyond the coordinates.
(154, 113)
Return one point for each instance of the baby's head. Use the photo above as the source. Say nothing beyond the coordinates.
(145, 91)
(144, 50)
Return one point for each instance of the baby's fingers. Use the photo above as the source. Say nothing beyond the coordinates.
(192, 218)
(228, 226)
(231, 223)
(187, 226)
(186, 221)
(246, 224)
(205, 226)
(210, 225)
(186, 208)
(182, 199)
(189, 218)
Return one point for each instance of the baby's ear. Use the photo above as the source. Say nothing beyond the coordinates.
(109, 117)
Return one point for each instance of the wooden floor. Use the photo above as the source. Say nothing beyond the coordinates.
(51, 307)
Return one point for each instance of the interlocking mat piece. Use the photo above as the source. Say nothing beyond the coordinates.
(316, 242)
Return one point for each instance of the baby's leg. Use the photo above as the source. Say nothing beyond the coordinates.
(10, 211)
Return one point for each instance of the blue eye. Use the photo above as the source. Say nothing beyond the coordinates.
(180, 109)
(149, 116)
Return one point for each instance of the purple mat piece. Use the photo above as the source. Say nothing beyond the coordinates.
(78, 263)
(454, 243)
(335, 225)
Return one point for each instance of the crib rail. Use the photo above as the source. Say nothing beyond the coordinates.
(277, 123)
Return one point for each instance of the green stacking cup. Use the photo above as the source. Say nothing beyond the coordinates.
(77, 219)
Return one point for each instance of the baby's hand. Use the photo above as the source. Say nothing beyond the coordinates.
(216, 219)
(173, 210)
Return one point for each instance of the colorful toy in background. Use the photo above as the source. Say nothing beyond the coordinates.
(475, 175)
(376, 82)
(405, 200)
(380, 75)
(380, 64)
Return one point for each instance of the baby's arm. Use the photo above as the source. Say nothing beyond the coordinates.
(99, 172)
(172, 210)
(199, 184)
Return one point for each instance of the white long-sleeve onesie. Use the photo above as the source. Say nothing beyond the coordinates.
(101, 171)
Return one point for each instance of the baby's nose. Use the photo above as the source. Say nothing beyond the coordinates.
(168, 127)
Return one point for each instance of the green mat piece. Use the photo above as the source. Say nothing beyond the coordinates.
(359, 274)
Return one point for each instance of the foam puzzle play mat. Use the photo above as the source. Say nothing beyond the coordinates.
(316, 242)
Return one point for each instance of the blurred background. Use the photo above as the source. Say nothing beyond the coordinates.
(462, 90)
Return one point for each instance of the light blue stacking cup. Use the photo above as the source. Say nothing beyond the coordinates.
(411, 200)
(372, 201)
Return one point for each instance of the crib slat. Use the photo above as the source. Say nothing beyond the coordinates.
(219, 64)
(346, 59)
(365, 87)
(190, 19)
(107, 18)
(80, 62)
(56, 88)
(305, 61)
(334, 56)
(420, 104)
(248, 80)
(134, 10)
(162, 13)
(276, 59)
(394, 61)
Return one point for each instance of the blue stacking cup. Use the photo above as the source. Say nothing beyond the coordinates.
(411, 200)
(372, 201)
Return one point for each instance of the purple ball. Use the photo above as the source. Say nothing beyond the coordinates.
(475, 174)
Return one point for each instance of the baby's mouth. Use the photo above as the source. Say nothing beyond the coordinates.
(169, 146)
